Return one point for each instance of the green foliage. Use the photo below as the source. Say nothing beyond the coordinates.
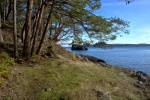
(7, 25)
(35, 58)
(6, 59)
(5, 75)
(6, 63)
(79, 20)
(70, 19)
(101, 45)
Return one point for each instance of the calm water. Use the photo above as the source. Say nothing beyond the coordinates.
(135, 57)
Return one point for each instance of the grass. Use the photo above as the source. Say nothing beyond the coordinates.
(63, 79)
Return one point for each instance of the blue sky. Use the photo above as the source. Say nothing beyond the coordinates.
(137, 13)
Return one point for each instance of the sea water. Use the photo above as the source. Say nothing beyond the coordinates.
(136, 57)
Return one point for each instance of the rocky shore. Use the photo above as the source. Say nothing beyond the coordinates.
(143, 78)
(95, 60)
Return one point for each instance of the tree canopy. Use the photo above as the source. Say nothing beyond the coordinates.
(59, 20)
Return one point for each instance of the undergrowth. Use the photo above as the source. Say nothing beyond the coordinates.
(6, 62)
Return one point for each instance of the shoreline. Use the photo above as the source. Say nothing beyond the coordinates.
(128, 57)
(142, 77)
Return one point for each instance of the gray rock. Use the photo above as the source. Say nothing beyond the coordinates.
(139, 84)
(130, 72)
(92, 59)
(102, 95)
(143, 77)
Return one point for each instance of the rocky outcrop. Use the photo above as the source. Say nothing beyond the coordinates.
(78, 47)
(94, 60)
(143, 78)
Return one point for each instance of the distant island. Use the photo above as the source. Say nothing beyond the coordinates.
(105, 45)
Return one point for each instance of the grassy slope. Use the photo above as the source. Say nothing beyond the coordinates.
(63, 79)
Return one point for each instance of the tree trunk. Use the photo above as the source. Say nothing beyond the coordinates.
(7, 6)
(37, 29)
(1, 33)
(15, 31)
(26, 46)
(23, 33)
(9, 9)
(46, 28)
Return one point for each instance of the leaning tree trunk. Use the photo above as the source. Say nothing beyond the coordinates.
(46, 28)
(9, 9)
(26, 46)
(1, 33)
(15, 30)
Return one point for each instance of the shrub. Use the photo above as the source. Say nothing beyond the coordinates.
(6, 62)
(34, 58)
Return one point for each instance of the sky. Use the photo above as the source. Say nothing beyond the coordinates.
(137, 13)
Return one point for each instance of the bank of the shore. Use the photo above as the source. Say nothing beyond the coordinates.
(143, 78)
(65, 79)
(134, 57)
(62, 75)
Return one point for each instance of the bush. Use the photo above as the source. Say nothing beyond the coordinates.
(6, 62)
(34, 58)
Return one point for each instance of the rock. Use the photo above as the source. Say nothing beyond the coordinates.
(140, 84)
(78, 47)
(102, 95)
(95, 60)
(130, 72)
(143, 77)
(92, 59)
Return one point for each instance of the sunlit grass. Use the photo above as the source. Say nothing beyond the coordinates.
(61, 79)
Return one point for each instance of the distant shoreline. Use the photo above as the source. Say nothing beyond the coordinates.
(130, 44)
(141, 44)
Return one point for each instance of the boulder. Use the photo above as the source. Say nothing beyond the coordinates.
(130, 72)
